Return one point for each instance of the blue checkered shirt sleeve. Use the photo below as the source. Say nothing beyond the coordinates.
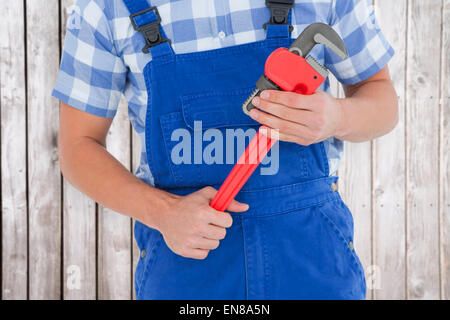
(369, 51)
(92, 76)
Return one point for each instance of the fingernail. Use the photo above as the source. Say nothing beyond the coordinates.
(244, 205)
(265, 95)
(254, 114)
(256, 101)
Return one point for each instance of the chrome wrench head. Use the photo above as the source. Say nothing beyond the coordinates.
(319, 33)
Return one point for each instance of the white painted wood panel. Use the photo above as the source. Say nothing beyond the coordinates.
(389, 272)
(13, 151)
(355, 187)
(444, 203)
(44, 178)
(422, 138)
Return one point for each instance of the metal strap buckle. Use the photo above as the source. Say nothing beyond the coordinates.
(150, 31)
(279, 12)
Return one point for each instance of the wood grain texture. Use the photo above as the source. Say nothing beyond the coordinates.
(355, 187)
(13, 149)
(389, 169)
(115, 259)
(422, 128)
(398, 187)
(79, 226)
(44, 179)
(444, 203)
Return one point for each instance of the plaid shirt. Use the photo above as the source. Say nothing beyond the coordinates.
(102, 57)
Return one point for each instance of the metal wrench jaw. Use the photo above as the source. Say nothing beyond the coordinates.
(319, 33)
(262, 84)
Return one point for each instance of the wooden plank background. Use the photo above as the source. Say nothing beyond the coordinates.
(59, 244)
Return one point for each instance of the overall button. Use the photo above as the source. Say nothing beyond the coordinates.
(143, 253)
(222, 35)
(350, 245)
(334, 187)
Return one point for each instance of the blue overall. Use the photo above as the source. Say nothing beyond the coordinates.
(295, 241)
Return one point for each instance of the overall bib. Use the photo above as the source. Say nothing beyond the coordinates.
(295, 241)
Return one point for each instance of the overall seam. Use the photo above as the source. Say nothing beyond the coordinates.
(342, 238)
(186, 102)
(193, 56)
(150, 261)
(290, 186)
(351, 253)
(148, 131)
(288, 211)
(245, 256)
(172, 116)
(325, 159)
(267, 266)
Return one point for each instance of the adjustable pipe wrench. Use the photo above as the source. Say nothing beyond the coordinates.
(288, 70)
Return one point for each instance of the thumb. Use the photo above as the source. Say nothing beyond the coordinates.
(208, 192)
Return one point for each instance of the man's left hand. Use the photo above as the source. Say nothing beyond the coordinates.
(300, 119)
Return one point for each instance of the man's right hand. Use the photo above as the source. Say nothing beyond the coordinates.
(191, 228)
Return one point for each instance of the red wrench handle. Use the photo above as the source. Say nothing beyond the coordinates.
(242, 170)
(291, 73)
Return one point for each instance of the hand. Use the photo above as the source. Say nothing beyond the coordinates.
(191, 228)
(298, 118)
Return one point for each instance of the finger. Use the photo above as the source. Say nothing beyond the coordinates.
(210, 192)
(284, 126)
(198, 254)
(300, 116)
(274, 134)
(290, 99)
(236, 206)
(220, 219)
(213, 232)
(207, 244)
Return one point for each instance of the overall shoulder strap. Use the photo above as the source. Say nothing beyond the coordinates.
(147, 21)
(279, 25)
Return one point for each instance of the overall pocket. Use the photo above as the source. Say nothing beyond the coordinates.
(148, 241)
(340, 220)
(205, 139)
(311, 254)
